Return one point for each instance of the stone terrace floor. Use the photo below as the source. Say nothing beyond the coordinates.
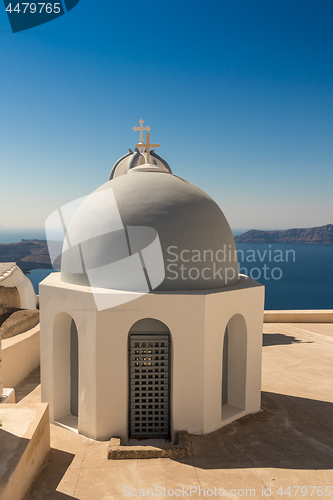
(289, 443)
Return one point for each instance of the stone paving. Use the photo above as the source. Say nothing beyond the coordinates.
(289, 443)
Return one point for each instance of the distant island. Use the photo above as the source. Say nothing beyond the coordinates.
(322, 235)
(2, 227)
(28, 254)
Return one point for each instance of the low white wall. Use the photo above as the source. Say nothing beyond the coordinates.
(8, 396)
(314, 316)
(1, 378)
(20, 355)
(16, 278)
(29, 429)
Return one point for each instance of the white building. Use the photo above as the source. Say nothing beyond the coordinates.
(16, 292)
(148, 329)
(23, 296)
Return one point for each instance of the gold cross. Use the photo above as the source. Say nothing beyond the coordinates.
(147, 146)
(141, 128)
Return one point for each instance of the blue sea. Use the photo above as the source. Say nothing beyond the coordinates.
(295, 276)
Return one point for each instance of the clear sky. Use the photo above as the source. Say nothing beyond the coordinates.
(239, 93)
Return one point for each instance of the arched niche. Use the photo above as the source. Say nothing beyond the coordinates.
(234, 367)
(149, 325)
(66, 367)
(149, 367)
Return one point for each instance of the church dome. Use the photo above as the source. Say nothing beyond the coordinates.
(123, 217)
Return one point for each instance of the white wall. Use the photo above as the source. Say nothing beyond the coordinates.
(58, 306)
(20, 355)
(29, 429)
(180, 313)
(1, 376)
(16, 278)
(244, 300)
(196, 322)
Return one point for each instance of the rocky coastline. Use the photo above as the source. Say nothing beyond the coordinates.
(322, 235)
(28, 254)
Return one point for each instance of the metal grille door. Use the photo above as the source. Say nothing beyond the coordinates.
(149, 362)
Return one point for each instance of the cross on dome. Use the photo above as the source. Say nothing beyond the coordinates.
(147, 146)
(141, 128)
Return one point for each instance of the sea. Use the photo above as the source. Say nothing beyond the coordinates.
(296, 276)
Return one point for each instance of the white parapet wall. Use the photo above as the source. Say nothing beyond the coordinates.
(24, 445)
(20, 355)
(1, 377)
(7, 395)
(306, 316)
(12, 276)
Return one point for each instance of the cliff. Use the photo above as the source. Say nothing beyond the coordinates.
(322, 235)
(28, 254)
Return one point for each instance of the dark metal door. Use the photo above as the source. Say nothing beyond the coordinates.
(149, 386)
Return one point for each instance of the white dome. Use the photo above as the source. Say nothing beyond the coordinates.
(117, 227)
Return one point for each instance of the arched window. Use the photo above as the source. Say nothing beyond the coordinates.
(234, 367)
(66, 367)
(149, 361)
(225, 369)
(74, 371)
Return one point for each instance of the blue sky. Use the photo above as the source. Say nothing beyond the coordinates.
(239, 93)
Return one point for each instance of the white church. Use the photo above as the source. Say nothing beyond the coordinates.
(148, 329)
